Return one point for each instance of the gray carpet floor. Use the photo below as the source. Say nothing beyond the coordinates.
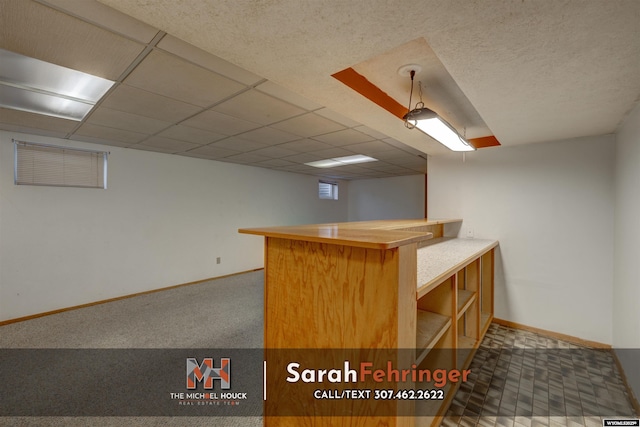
(228, 313)
(222, 313)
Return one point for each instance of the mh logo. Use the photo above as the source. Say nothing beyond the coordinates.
(207, 373)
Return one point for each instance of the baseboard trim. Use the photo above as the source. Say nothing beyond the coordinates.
(557, 335)
(632, 396)
(91, 304)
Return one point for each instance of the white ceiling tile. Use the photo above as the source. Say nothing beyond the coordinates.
(303, 158)
(257, 107)
(121, 120)
(118, 22)
(210, 151)
(104, 133)
(38, 31)
(274, 163)
(31, 130)
(246, 158)
(305, 145)
(308, 125)
(220, 123)
(26, 120)
(198, 56)
(169, 144)
(344, 137)
(189, 134)
(371, 147)
(168, 75)
(133, 100)
(274, 152)
(166, 150)
(238, 144)
(333, 152)
(268, 135)
(371, 132)
(277, 91)
(101, 141)
(336, 117)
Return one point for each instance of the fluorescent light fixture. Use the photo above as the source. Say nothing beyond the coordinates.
(35, 86)
(341, 161)
(437, 128)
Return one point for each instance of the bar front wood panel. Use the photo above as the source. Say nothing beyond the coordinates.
(330, 296)
(333, 296)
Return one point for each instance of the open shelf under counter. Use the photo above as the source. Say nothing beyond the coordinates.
(439, 261)
(430, 327)
(465, 299)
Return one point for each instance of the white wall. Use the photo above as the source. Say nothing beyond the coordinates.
(626, 289)
(163, 221)
(386, 198)
(551, 206)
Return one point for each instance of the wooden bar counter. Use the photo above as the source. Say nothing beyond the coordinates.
(342, 286)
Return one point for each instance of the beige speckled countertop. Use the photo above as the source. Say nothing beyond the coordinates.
(440, 260)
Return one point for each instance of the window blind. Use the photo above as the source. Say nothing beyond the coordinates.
(40, 164)
(328, 190)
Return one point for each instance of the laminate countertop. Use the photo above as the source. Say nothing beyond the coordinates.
(445, 256)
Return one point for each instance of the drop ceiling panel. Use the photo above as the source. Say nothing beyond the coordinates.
(257, 107)
(106, 134)
(137, 101)
(371, 147)
(371, 132)
(189, 134)
(171, 76)
(303, 158)
(246, 158)
(198, 56)
(305, 145)
(41, 32)
(166, 150)
(344, 137)
(275, 152)
(268, 135)
(25, 120)
(274, 163)
(33, 131)
(172, 145)
(212, 152)
(336, 117)
(277, 91)
(308, 125)
(118, 22)
(220, 123)
(120, 120)
(238, 144)
(334, 152)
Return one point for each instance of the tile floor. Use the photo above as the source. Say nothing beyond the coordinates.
(520, 378)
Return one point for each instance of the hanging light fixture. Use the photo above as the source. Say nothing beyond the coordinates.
(429, 122)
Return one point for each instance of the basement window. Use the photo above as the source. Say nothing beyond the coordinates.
(50, 165)
(328, 190)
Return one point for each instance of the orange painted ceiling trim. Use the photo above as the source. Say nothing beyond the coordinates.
(364, 87)
(484, 142)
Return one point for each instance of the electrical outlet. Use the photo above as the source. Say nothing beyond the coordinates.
(469, 233)
(218, 260)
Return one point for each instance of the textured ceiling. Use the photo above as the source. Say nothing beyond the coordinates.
(250, 82)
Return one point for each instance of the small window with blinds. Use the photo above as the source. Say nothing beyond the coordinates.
(328, 190)
(49, 165)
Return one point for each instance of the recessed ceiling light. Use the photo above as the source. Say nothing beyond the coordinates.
(36, 86)
(341, 161)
